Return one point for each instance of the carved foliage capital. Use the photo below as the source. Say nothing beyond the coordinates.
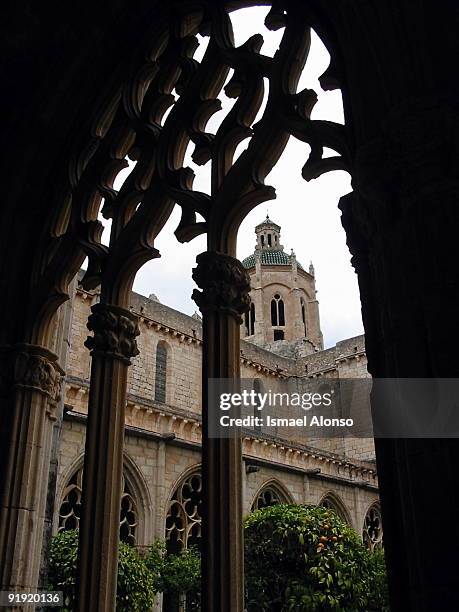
(225, 284)
(36, 368)
(115, 331)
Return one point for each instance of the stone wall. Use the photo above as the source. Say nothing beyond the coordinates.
(163, 438)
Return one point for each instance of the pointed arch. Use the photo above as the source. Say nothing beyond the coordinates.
(332, 501)
(184, 511)
(277, 311)
(271, 493)
(372, 529)
(136, 504)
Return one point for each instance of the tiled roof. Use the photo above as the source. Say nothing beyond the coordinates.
(269, 257)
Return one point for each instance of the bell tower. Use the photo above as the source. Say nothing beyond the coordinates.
(268, 235)
(284, 311)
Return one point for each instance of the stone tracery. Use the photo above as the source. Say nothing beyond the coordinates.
(372, 528)
(183, 521)
(131, 124)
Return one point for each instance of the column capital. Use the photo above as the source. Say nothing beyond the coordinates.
(115, 331)
(32, 367)
(225, 284)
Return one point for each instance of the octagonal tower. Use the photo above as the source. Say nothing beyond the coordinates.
(284, 311)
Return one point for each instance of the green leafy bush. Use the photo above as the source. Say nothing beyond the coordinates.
(176, 575)
(379, 591)
(305, 558)
(135, 582)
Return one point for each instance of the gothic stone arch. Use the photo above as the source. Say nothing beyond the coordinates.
(333, 501)
(400, 107)
(271, 492)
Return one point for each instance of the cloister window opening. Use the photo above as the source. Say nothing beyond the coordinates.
(268, 496)
(328, 106)
(277, 311)
(183, 521)
(331, 504)
(372, 528)
(70, 508)
(161, 373)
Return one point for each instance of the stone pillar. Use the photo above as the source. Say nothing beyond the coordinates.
(33, 377)
(61, 345)
(257, 298)
(402, 224)
(112, 347)
(225, 296)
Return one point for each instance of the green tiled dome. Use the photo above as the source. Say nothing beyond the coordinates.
(269, 257)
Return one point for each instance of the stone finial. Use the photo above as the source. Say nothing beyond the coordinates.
(311, 269)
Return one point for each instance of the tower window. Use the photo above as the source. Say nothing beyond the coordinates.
(303, 316)
(277, 311)
(269, 240)
(262, 238)
(278, 334)
(249, 320)
(161, 369)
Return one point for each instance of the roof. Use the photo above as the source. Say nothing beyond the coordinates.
(270, 257)
(267, 223)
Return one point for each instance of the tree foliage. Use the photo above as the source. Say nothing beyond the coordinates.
(297, 559)
(176, 575)
(135, 584)
(300, 558)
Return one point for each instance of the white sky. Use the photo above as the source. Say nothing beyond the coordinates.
(307, 212)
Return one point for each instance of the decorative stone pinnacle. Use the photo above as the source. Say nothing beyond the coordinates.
(115, 331)
(225, 284)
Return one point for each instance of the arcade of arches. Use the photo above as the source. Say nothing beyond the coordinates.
(89, 88)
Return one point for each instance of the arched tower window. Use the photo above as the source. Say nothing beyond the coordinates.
(249, 319)
(303, 316)
(70, 508)
(277, 311)
(161, 372)
(183, 521)
(372, 528)
(269, 240)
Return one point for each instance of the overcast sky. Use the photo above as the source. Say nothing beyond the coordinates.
(307, 212)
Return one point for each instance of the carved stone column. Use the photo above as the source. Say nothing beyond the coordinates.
(31, 383)
(225, 296)
(112, 347)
